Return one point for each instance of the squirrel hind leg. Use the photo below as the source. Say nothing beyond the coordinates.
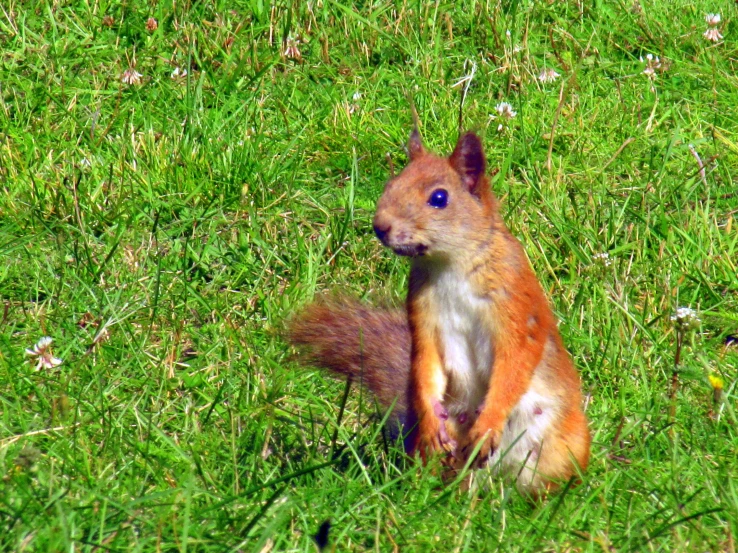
(563, 454)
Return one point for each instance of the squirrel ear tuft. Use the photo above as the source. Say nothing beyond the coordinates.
(468, 160)
(415, 145)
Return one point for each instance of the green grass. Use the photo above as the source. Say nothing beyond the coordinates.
(161, 233)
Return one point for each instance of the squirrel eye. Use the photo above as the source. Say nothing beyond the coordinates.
(438, 199)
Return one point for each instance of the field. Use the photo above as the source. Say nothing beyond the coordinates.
(177, 179)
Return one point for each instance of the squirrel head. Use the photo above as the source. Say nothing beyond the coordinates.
(437, 207)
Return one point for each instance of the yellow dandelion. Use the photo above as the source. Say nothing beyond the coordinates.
(716, 381)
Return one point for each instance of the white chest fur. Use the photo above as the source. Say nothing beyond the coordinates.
(466, 342)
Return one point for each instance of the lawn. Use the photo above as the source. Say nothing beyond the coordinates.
(177, 179)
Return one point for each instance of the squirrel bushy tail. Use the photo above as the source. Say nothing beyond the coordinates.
(371, 346)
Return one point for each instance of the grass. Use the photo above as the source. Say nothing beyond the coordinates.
(162, 232)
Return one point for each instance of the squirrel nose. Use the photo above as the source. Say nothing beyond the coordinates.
(382, 231)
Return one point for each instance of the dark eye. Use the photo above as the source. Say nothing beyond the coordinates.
(438, 199)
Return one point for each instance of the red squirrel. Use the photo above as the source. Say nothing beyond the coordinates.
(476, 360)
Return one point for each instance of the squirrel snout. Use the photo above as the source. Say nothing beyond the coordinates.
(382, 231)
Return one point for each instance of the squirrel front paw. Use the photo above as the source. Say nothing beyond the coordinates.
(485, 433)
(432, 433)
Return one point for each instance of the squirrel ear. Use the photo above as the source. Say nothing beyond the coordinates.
(415, 145)
(468, 160)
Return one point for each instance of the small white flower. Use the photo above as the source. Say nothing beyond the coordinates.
(602, 259)
(713, 34)
(290, 49)
(548, 76)
(178, 73)
(131, 76)
(42, 350)
(685, 318)
(652, 64)
(40, 346)
(712, 19)
(505, 110)
(356, 96)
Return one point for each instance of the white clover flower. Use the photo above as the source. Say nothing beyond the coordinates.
(713, 19)
(356, 96)
(505, 112)
(713, 34)
(42, 350)
(685, 318)
(548, 76)
(178, 73)
(41, 345)
(602, 259)
(652, 64)
(131, 76)
(291, 50)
